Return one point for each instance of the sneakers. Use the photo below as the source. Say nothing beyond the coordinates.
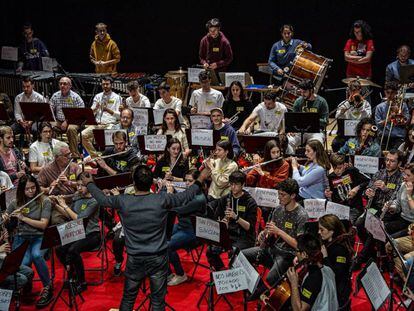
(177, 279)
(45, 297)
(117, 269)
(170, 276)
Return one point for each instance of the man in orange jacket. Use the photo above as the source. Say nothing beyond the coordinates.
(104, 52)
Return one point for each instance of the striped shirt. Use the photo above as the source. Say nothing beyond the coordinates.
(58, 101)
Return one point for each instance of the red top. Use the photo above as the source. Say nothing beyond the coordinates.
(360, 70)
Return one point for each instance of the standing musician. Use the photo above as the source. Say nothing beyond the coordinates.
(317, 291)
(31, 51)
(226, 131)
(172, 166)
(284, 51)
(365, 142)
(337, 250)
(407, 147)
(392, 72)
(237, 106)
(278, 240)
(311, 177)
(104, 52)
(215, 50)
(146, 244)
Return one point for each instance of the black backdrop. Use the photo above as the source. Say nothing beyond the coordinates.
(157, 36)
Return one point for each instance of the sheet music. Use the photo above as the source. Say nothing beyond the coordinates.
(375, 286)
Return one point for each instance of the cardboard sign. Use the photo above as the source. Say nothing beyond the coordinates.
(108, 136)
(71, 231)
(158, 116)
(230, 281)
(49, 64)
(252, 276)
(140, 121)
(235, 76)
(200, 137)
(9, 53)
(193, 74)
(200, 122)
(263, 196)
(375, 226)
(367, 165)
(5, 298)
(315, 207)
(155, 142)
(342, 211)
(349, 127)
(207, 229)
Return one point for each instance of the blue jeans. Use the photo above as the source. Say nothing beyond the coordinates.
(23, 276)
(34, 255)
(179, 239)
(137, 269)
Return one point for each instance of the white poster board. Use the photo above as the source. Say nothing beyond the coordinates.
(49, 64)
(155, 142)
(9, 53)
(71, 231)
(263, 196)
(375, 286)
(349, 127)
(315, 207)
(235, 76)
(230, 281)
(366, 164)
(179, 186)
(5, 298)
(375, 226)
(201, 137)
(140, 121)
(207, 229)
(193, 74)
(158, 116)
(108, 136)
(252, 276)
(342, 211)
(200, 122)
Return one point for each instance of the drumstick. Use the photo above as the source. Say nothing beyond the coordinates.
(67, 166)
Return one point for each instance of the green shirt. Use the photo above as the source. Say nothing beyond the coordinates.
(318, 105)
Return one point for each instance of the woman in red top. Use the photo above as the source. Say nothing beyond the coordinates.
(269, 175)
(358, 51)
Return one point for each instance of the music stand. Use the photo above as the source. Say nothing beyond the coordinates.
(4, 116)
(118, 180)
(302, 122)
(37, 112)
(254, 143)
(407, 74)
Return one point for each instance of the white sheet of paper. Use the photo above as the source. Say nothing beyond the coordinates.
(375, 286)
(315, 207)
(201, 137)
(155, 142)
(193, 74)
(235, 76)
(5, 298)
(252, 276)
(367, 165)
(9, 53)
(158, 115)
(342, 211)
(263, 196)
(48, 64)
(71, 231)
(374, 226)
(200, 122)
(349, 127)
(230, 281)
(108, 136)
(207, 229)
(141, 120)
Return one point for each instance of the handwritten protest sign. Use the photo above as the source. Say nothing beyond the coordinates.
(230, 281)
(315, 207)
(207, 229)
(264, 197)
(200, 122)
(235, 76)
(367, 165)
(155, 142)
(193, 74)
(71, 231)
(252, 276)
(200, 137)
(349, 127)
(342, 211)
(158, 116)
(140, 121)
(5, 298)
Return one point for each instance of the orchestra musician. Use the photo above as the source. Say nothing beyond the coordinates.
(31, 51)
(126, 123)
(226, 131)
(407, 147)
(337, 250)
(317, 290)
(392, 72)
(167, 101)
(237, 105)
(172, 166)
(278, 240)
(104, 52)
(365, 142)
(215, 51)
(136, 99)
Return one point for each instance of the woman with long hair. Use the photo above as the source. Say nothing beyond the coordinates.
(312, 177)
(407, 147)
(236, 103)
(365, 142)
(269, 175)
(172, 166)
(32, 220)
(171, 126)
(337, 252)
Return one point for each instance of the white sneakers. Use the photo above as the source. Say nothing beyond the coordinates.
(177, 279)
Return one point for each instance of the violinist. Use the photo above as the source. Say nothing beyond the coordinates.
(337, 252)
(365, 142)
(317, 290)
(407, 148)
(285, 223)
(392, 112)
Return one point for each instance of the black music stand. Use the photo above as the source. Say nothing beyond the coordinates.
(407, 74)
(51, 238)
(254, 143)
(4, 116)
(302, 122)
(37, 112)
(118, 180)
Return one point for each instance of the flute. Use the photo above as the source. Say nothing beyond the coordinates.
(64, 171)
(176, 161)
(244, 170)
(18, 210)
(105, 156)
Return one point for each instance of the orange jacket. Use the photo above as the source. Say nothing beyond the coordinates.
(270, 179)
(105, 50)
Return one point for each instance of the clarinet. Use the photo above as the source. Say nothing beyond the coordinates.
(267, 240)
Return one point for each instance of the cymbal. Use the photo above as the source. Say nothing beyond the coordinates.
(364, 82)
(178, 72)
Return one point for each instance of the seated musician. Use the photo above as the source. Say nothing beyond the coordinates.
(83, 206)
(66, 98)
(172, 166)
(284, 51)
(311, 177)
(136, 99)
(31, 51)
(221, 168)
(355, 107)
(269, 175)
(278, 240)
(365, 143)
(104, 52)
(204, 99)
(226, 131)
(346, 186)
(237, 105)
(391, 115)
(215, 51)
(168, 102)
(381, 189)
(171, 126)
(317, 290)
(23, 126)
(121, 163)
(310, 102)
(407, 147)
(392, 72)
(106, 110)
(337, 250)
(238, 210)
(126, 123)
(32, 220)
(41, 151)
